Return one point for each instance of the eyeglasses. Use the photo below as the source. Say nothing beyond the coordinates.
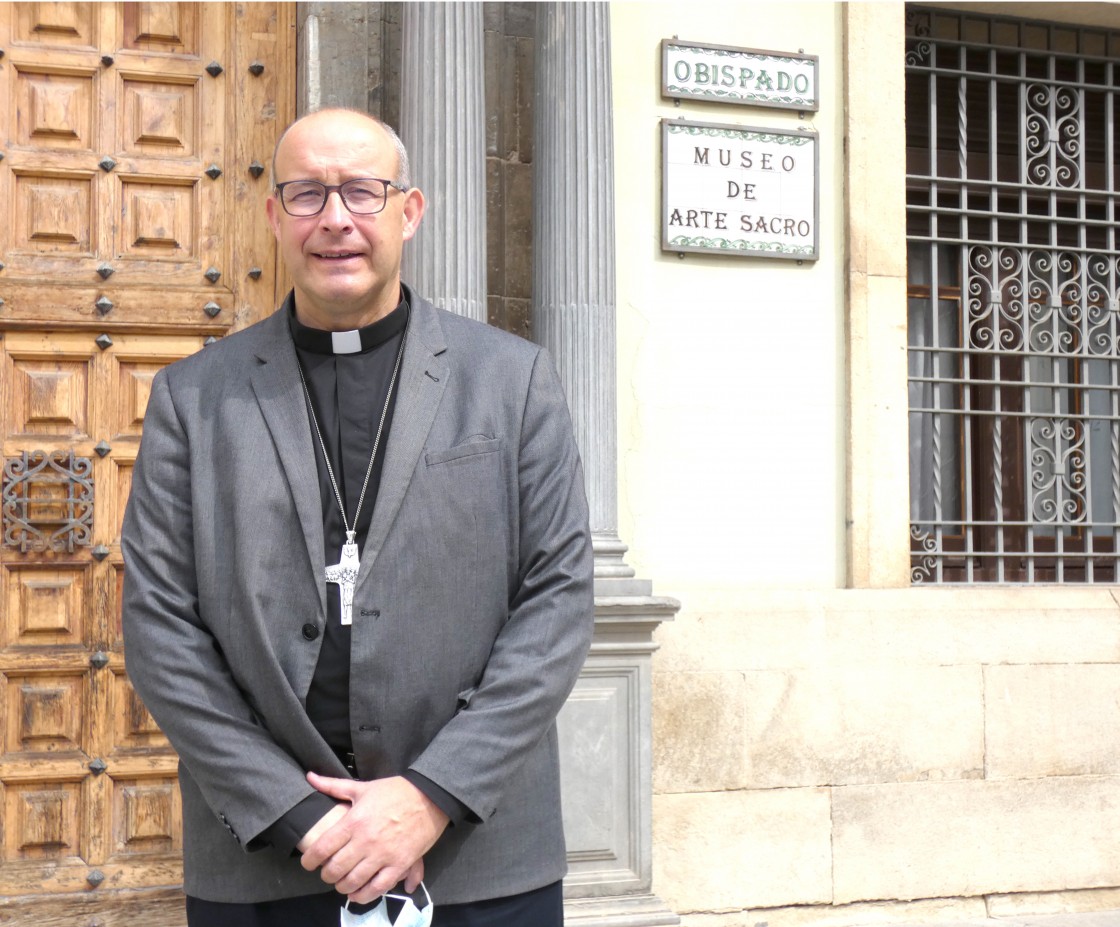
(363, 196)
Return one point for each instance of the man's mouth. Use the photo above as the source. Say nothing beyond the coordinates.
(335, 255)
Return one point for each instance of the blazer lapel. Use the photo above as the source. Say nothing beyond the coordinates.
(423, 378)
(276, 382)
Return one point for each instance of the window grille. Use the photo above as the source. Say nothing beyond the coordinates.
(1014, 279)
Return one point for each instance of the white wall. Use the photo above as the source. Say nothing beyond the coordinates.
(731, 369)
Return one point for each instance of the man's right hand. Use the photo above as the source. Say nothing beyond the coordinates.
(325, 823)
(412, 878)
(388, 826)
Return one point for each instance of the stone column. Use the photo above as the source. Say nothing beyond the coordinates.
(443, 126)
(605, 728)
(574, 241)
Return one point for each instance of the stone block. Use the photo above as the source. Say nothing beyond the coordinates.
(698, 732)
(495, 228)
(519, 317)
(1090, 919)
(509, 48)
(878, 497)
(521, 19)
(525, 52)
(517, 204)
(1050, 903)
(374, 65)
(851, 725)
(969, 838)
(495, 103)
(1053, 720)
(512, 315)
(495, 314)
(494, 16)
(391, 44)
(507, 75)
(342, 56)
(888, 914)
(875, 121)
(726, 629)
(728, 851)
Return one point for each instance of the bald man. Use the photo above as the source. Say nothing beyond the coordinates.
(358, 581)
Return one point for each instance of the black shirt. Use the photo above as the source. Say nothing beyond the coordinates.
(349, 392)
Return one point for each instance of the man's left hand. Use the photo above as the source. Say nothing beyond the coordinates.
(380, 840)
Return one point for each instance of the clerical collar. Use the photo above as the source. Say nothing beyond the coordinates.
(355, 341)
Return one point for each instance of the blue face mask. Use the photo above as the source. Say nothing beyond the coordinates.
(409, 916)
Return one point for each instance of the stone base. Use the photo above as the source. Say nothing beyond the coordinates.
(619, 911)
(605, 749)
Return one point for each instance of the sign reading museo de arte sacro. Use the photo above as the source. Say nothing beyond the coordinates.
(738, 190)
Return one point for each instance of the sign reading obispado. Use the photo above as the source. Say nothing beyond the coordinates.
(747, 76)
(738, 190)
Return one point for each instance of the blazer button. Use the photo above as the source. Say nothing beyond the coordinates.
(310, 632)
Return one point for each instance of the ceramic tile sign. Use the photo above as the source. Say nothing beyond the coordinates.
(747, 76)
(739, 190)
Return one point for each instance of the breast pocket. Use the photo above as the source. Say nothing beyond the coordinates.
(465, 483)
(463, 451)
(458, 532)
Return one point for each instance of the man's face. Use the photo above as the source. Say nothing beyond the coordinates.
(346, 267)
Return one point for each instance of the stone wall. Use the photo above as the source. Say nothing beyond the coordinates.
(827, 756)
(854, 747)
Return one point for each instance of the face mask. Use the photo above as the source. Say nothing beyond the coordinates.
(409, 916)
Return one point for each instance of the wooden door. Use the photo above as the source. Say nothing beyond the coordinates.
(134, 148)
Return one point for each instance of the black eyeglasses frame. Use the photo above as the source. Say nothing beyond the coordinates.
(340, 188)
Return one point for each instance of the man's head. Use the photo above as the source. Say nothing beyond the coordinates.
(346, 266)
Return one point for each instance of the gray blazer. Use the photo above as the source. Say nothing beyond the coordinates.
(472, 614)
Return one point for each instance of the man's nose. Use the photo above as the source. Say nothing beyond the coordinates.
(335, 214)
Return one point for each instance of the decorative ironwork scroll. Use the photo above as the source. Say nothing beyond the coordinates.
(1042, 301)
(48, 501)
(1053, 135)
(995, 299)
(917, 30)
(923, 559)
(1057, 471)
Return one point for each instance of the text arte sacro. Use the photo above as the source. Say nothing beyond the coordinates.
(752, 189)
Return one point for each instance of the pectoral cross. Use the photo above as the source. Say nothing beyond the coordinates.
(345, 573)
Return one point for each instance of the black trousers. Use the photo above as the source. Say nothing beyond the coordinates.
(542, 907)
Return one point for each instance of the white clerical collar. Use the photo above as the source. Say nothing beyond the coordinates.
(355, 341)
(346, 342)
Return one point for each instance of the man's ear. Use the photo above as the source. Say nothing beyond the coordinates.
(272, 209)
(414, 204)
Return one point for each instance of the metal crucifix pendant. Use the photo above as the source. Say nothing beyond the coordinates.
(345, 573)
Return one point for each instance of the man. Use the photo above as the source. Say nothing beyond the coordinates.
(358, 578)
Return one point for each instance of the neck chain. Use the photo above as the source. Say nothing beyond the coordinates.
(345, 572)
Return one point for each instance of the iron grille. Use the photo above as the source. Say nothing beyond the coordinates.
(1013, 289)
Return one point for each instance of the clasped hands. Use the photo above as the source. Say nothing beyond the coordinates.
(377, 838)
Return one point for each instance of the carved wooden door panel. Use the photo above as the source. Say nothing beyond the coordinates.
(134, 144)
